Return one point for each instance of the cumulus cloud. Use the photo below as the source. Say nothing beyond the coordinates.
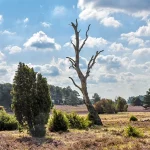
(40, 40)
(6, 32)
(108, 78)
(51, 71)
(116, 47)
(101, 9)
(45, 24)
(13, 49)
(1, 55)
(91, 42)
(141, 31)
(110, 61)
(142, 52)
(26, 20)
(1, 19)
(110, 21)
(3, 71)
(59, 10)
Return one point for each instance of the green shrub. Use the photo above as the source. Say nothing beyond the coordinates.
(2, 108)
(7, 122)
(58, 122)
(132, 131)
(133, 118)
(78, 122)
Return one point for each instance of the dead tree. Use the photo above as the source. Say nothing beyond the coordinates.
(83, 78)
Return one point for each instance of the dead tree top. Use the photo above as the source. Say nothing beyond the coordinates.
(78, 48)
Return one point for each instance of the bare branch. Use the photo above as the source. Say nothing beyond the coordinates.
(75, 84)
(73, 44)
(73, 63)
(92, 62)
(85, 38)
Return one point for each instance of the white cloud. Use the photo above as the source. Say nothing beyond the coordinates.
(40, 41)
(108, 78)
(13, 49)
(141, 31)
(59, 10)
(1, 56)
(110, 21)
(1, 19)
(101, 9)
(111, 62)
(6, 32)
(116, 47)
(142, 52)
(90, 43)
(26, 20)
(45, 24)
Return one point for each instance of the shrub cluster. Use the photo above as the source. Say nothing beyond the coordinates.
(105, 106)
(78, 122)
(58, 122)
(7, 122)
(132, 131)
(133, 118)
(110, 107)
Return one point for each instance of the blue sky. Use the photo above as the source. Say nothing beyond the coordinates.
(38, 34)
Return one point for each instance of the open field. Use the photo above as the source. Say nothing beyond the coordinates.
(81, 109)
(109, 137)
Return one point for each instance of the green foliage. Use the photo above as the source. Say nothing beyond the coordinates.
(2, 108)
(58, 122)
(147, 99)
(105, 106)
(132, 131)
(65, 96)
(136, 101)
(96, 98)
(7, 122)
(78, 122)
(133, 118)
(121, 104)
(31, 99)
(5, 97)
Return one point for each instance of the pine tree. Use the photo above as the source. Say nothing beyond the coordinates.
(147, 98)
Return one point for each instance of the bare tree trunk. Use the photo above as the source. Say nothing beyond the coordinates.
(83, 78)
(92, 112)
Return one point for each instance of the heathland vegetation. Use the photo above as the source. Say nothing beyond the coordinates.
(34, 125)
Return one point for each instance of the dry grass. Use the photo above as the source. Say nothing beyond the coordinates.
(109, 137)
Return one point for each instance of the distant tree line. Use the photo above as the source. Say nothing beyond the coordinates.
(141, 100)
(59, 95)
(65, 96)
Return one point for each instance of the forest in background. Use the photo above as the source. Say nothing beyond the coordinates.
(59, 95)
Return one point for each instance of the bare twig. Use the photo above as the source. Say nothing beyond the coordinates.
(73, 44)
(73, 63)
(92, 62)
(75, 84)
(85, 38)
